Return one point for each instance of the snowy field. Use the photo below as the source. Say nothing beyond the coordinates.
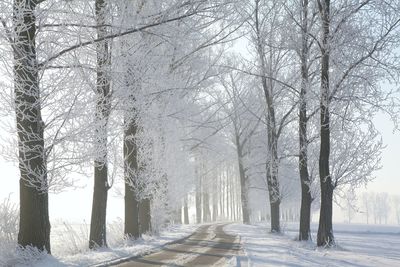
(69, 246)
(357, 245)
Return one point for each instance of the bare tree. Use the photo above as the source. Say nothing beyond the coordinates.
(367, 204)
(396, 207)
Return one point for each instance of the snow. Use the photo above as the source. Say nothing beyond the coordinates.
(357, 245)
(67, 239)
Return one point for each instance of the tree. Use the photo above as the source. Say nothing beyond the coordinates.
(273, 61)
(306, 198)
(186, 211)
(367, 203)
(34, 226)
(239, 97)
(396, 207)
(325, 232)
(97, 237)
(382, 206)
(350, 69)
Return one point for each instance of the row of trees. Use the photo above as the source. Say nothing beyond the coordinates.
(158, 93)
(90, 75)
(313, 68)
(377, 208)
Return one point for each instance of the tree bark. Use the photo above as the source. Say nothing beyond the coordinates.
(130, 169)
(144, 215)
(34, 224)
(186, 211)
(306, 199)
(97, 237)
(325, 232)
(198, 197)
(243, 185)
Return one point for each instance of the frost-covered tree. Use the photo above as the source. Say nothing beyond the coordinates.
(34, 226)
(351, 66)
(236, 104)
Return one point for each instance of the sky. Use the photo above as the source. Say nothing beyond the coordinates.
(388, 178)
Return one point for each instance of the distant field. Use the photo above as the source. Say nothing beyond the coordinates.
(357, 245)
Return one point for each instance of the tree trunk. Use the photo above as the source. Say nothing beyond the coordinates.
(99, 208)
(34, 224)
(222, 194)
(243, 185)
(214, 198)
(274, 194)
(97, 237)
(186, 211)
(227, 193)
(144, 215)
(306, 199)
(272, 164)
(198, 198)
(275, 217)
(325, 231)
(206, 207)
(130, 170)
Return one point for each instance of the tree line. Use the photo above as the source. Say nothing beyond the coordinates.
(157, 93)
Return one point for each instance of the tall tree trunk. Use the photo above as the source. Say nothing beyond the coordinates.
(34, 224)
(273, 185)
(97, 237)
(206, 207)
(144, 215)
(130, 169)
(243, 184)
(198, 197)
(186, 211)
(325, 231)
(214, 197)
(273, 161)
(177, 216)
(222, 194)
(131, 227)
(226, 194)
(232, 204)
(306, 199)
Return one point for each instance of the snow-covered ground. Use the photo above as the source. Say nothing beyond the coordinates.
(69, 246)
(357, 245)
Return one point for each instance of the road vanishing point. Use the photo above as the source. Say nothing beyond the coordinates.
(208, 246)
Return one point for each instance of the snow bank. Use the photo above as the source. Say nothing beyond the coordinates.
(69, 246)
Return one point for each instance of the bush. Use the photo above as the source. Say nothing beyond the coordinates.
(9, 218)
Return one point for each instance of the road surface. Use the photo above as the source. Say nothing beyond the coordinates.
(208, 246)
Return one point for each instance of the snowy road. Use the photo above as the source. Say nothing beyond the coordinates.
(208, 246)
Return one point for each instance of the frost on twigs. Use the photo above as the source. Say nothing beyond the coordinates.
(8, 231)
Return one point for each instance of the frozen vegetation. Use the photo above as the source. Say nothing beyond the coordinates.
(70, 246)
(195, 112)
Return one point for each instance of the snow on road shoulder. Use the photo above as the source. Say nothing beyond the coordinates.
(265, 249)
(126, 249)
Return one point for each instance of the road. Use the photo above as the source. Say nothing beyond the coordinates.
(208, 246)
